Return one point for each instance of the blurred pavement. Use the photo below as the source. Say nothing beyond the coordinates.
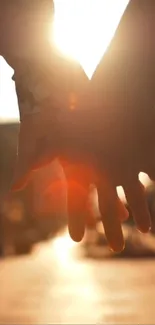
(55, 285)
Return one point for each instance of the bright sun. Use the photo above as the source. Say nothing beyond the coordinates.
(77, 31)
(83, 29)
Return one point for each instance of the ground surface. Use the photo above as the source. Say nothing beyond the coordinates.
(55, 285)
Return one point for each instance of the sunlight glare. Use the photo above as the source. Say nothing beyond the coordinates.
(62, 246)
(83, 29)
(77, 34)
(8, 99)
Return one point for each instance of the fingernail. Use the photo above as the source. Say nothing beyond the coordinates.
(144, 230)
(117, 247)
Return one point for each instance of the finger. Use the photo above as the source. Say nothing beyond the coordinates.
(151, 171)
(151, 175)
(92, 204)
(77, 197)
(94, 212)
(135, 195)
(123, 212)
(149, 163)
(109, 206)
(77, 209)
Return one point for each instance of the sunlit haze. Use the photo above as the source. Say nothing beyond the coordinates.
(8, 100)
(83, 29)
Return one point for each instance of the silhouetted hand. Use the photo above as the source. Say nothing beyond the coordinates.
(111, 141)
(85, 162)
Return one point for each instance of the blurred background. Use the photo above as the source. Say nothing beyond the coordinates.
(45, 278)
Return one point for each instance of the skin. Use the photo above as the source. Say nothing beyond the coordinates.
(107, 142)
